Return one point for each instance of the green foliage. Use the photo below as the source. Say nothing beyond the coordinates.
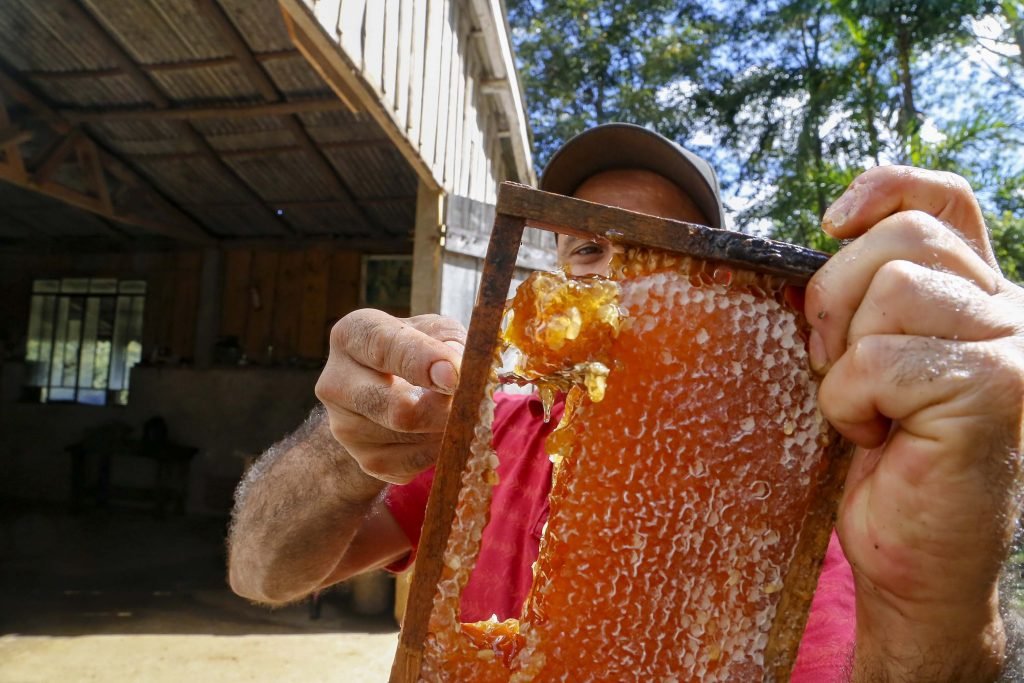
(791, 99)
(587, 62)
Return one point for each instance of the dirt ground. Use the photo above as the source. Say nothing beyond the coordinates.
(121, 596)
(343, 657)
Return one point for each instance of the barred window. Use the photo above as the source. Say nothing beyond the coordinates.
(84, 336)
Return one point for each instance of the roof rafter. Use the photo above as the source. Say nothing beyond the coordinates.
(159, 67)
(261, 151)
(237, 45)
(223, 111)
(120, 56)
(38, 178)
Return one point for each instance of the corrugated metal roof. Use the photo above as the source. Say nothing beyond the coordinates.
(210, 84)
(261, 161)
(371, 171)
(36, 35)
(193, 181)
(260, 23)
(283, 176)
(294, 78)
(104, 91)
(158, 31)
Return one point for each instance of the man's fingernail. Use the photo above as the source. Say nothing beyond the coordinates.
(457, 345)
(444, 376)
(816, 351)
(841, 210)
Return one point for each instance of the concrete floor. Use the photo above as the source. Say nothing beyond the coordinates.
(122, 596)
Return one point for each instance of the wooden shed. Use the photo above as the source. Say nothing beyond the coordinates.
(194, 191)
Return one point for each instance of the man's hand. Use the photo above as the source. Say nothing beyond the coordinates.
(308, 514)
(922, 341)
(387, 388)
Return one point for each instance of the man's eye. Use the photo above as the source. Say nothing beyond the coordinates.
(588, 250)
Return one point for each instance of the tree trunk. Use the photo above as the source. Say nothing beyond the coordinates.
(869, 114)
(907, 122)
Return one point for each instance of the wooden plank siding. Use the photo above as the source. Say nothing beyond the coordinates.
(257, 340)
(237, 298)
(288, 299)
(313, 322)
(399, 100)
(281, 304)
(439, 78)
(389, 74)
(284, 335)
(350, 28)
(186, 303)
(373, 45)
(420, 59)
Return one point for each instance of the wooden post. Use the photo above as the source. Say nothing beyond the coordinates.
(426, 251)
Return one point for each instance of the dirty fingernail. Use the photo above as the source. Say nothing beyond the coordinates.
(816, 351)
(444, 376)
(841, 210)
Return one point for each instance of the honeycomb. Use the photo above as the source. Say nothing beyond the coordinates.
(686, 460)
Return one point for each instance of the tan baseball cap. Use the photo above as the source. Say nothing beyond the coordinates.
(624, 145)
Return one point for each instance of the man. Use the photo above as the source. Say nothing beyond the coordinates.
(918, 337)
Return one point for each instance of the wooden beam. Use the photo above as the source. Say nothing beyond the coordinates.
(190, 65)
(10, 138)
(182, 227)
(164, 67)
(124, 61)
(494, 86)
(314, 203)
(55, 157)
(72, 74)
(263, 151)
(85, 21)
(214, 15)
(343, 77)
(96, 206)
(214, 62)
(26, 98)
(427, 252)
(89, 161)
(220, 111)
(481, 341)
(13, 135)
(357, 244)
(570, 216)
(236, 43)
(274, 55)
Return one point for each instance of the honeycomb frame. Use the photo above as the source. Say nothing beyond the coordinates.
(468, 420)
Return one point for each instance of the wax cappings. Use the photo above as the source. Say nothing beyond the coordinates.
(679, 493)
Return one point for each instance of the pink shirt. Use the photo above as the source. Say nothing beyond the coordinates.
(511, 540)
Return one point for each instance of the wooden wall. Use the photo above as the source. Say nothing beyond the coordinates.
(442, 73)
(172, 292)
(282, 304)
(287, 299)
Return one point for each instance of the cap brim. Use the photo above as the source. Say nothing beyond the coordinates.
(622, 145)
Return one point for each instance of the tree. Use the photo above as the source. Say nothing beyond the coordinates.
(791, 99)
(903, 30)
(587, 62)
(778, 103)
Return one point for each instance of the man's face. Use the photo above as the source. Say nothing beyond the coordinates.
(631, 189)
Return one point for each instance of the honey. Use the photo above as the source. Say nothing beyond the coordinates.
(686, 459)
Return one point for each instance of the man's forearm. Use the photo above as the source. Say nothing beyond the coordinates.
(295, 514)
(893, 647)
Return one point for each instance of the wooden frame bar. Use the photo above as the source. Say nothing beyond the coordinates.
(518, 206)
(481, 342)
